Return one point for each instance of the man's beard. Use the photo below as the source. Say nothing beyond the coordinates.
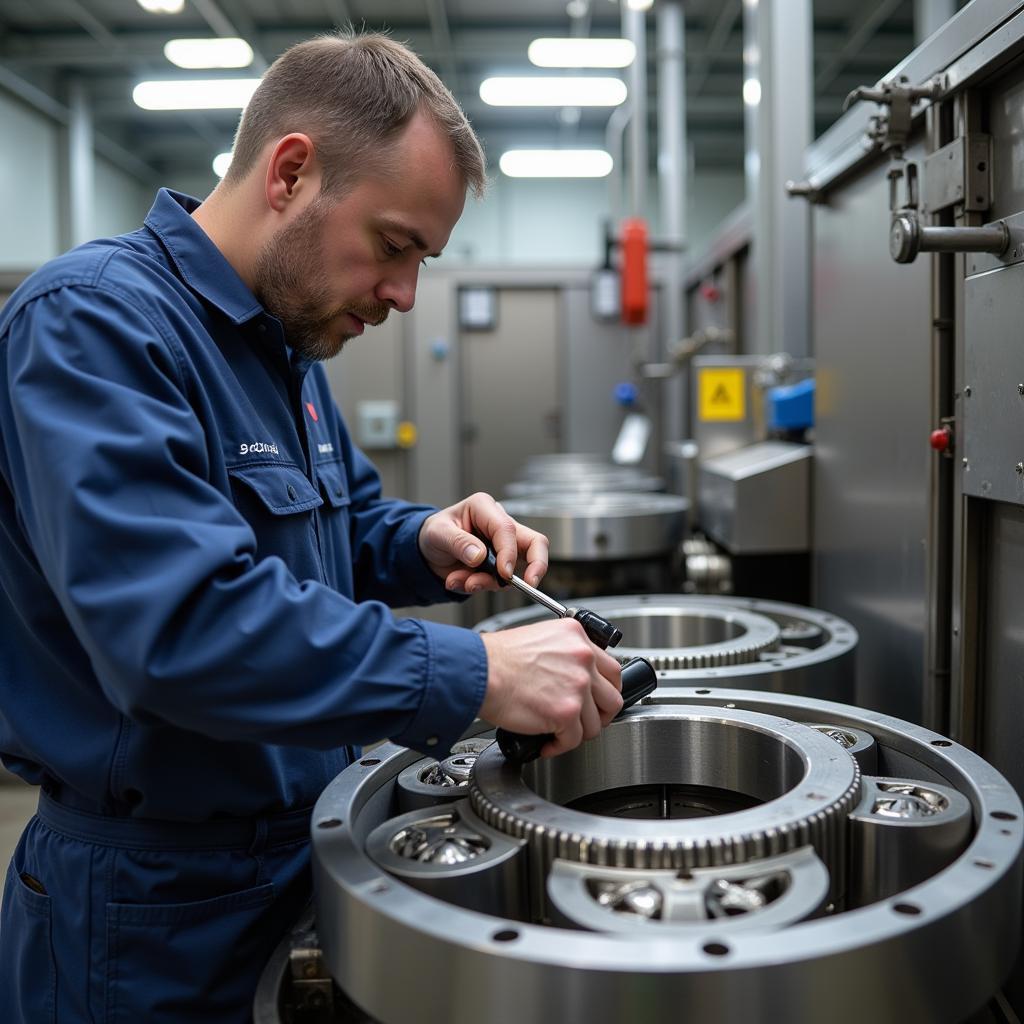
(288, 280)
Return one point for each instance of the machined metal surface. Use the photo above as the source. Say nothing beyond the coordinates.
(798, 780)
(756, 500)
(603, 933)
(741, 642)
(598, 481)
(604, 526)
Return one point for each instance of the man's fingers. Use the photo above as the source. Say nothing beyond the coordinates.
(608, 700)
(609, 668)
(536, 545)
(590, 719)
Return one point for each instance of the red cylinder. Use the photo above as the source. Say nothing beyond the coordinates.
(634, 271)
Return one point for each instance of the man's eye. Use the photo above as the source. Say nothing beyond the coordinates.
(390, 248)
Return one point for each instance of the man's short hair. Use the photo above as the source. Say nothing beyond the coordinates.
(352, 94)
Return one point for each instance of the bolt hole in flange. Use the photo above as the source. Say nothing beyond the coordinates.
(908, 909)
(329, 823)
(506, 935)
(716, 949)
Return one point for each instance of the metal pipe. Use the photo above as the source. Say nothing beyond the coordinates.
(81, 164)
(672, 187)
(634, 28)
(613, 133)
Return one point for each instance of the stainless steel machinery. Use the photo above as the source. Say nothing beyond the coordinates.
(727, 641)
(715, 855)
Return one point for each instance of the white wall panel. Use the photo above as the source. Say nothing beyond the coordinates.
(29, 225)
(121, 201)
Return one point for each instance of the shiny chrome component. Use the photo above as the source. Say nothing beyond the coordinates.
(718, 850)
(859, 744)
(903, 832)
(449, 853)
(601, 525)
(766, 894)
(438, 840)
(428, 783)
(728, 641)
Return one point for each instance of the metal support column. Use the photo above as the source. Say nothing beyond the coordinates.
(777, 94)
(81, 163)
(930, 16)
(672, 188)
(634, 28)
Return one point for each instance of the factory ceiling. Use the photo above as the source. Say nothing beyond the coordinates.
(108, 46)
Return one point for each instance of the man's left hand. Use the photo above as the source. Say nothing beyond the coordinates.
(448, 544)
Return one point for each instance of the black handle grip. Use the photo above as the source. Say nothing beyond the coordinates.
(600, 631)
(490, 562)
(638, 680)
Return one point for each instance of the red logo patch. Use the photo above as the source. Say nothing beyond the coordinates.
(312, 412)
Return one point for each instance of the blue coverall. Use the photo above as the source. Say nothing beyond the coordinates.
(185, 531)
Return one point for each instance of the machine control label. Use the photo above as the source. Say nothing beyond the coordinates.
(722, 394)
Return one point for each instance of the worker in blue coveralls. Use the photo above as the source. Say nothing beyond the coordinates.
(196, 564)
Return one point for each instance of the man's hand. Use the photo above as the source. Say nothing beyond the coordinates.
(450, 549)
(549, 678)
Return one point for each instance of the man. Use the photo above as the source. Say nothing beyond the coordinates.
(196, 563)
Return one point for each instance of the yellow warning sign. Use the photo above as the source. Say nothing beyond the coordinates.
(722, 394)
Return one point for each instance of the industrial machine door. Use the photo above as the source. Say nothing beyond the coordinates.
(368, 381)
(510, 388)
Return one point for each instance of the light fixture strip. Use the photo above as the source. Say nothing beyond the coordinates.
(221, 52)
(543, 91)
(575, 52)
(195, 94)
(556, 163)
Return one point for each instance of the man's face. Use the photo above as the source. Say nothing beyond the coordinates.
(341, 264)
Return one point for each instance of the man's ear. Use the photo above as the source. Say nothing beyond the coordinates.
(293, 171)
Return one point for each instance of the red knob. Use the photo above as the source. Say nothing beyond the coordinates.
(710, 292)
(941, 439)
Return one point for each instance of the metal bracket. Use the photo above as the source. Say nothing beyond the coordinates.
(891, 130)
(959, 174)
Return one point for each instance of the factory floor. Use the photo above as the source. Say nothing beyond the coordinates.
(17, 805)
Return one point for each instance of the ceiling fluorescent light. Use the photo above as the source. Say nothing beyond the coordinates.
(639, 5)
(195, 94)
(221, 163)
(162, 6)
(209, 53)
(556, 163)
(752, 92)
(581, 53)
(553, 92)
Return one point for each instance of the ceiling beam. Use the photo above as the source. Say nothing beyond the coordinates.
(861, 31)
(718, 37)
(239, 25)
(43, 103)
(338, 11)
(441, 32)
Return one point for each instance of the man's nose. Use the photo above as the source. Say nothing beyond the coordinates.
(399, 290)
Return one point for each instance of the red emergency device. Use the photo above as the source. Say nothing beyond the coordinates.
(634, 271)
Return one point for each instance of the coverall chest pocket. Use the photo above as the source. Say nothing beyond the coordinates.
(278, 502)
(335, 524)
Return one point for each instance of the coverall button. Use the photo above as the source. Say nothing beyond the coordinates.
(432, 741)
(291, 492)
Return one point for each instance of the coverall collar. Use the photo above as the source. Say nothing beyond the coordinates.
(201, 264)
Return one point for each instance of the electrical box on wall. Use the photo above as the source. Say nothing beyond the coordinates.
(377, 424)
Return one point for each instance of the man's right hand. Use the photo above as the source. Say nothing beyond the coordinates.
(549, 678)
